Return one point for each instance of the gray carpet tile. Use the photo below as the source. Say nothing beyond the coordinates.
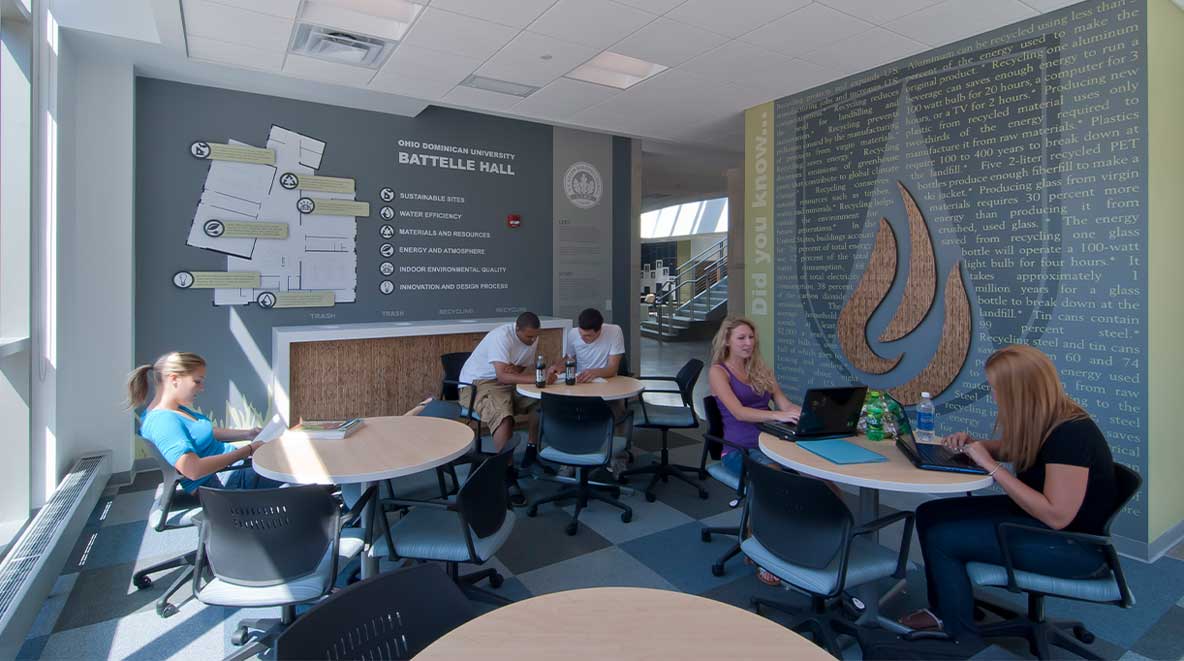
(1165, 639)
(680, 557)
(648, 518)
(607, 567)
(128, 507)
(51, 610)
(107, 592)
(540, 541)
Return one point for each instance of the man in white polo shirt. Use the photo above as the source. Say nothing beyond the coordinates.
(504, 358)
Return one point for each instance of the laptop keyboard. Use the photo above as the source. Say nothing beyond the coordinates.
(940, 454)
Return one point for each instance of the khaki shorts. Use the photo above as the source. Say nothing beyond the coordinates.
(497, 401)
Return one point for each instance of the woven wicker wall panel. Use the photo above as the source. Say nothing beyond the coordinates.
(921, 284)
(951, 350)
(869, 293)
(376, 377)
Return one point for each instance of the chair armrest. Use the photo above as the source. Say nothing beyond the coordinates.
(1102, 543)
(723, 441)
(236, 466)
(902, 558)
(406, 502)
(351, 517)
(657, 378)
(472, 395)
(649, 391)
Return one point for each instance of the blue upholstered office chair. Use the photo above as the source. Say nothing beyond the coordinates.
(483, 449)
(578, 432)
(1110, 588)
(271, 547)
(801, 532)
(665, 418)
(469, 530)
(713, 443)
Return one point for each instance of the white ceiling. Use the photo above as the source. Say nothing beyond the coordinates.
(723, 55)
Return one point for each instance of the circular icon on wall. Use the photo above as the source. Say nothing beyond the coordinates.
(305, 205)
(214, 228)
(386, 286)
(387, 194)
(183, 279)
(386, 268)
(387, 213)
(266, 300)
(386, 231)
(582, 185)
(200, 149)
(289, 180)
(386, 250)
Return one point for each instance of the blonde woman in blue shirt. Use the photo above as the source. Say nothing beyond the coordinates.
(187, 439)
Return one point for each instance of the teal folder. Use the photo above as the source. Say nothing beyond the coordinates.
(838, 451)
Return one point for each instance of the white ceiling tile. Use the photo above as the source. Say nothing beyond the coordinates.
(668, 42)
(654, 6)
(563, 98)
(594, 23)
(420, 88)
(475, 98)
(806, 29)
(521, 61)
(957, 19)
(413, 61)
(737, 17)
(516, 13)
(329, 72)
(462, 35)
(879, 11)
(234, 25)
(280, 8)
(222, 52)
(735, 60)
(1049, 5)
(865, 51)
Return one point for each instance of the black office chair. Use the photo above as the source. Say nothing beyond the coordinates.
(450, 385)
(483, 448)
(390, 616)
(801, 532)
(713, 442)
(271, 547)
(1108, 589)
(578, 432)
(665, 418)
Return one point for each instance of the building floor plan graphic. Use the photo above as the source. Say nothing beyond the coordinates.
(319, 253)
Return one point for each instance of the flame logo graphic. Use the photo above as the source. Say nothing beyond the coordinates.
(919, 293)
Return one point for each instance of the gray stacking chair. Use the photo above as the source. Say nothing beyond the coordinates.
(1110, 588)
(271, 547)
(713, 442)
(578, 432)
(665, 418)
(801, 532)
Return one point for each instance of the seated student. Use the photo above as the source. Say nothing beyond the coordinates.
(596, 346)
(504, 358)
(1064, 480)
(744, 386)
(186, 438)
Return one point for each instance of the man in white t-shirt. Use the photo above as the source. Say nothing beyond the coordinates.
(504, 358)
(597, 346)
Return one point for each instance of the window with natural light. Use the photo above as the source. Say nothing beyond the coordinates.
(704, 217)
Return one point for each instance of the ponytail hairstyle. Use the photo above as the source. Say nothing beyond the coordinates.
(175, 362)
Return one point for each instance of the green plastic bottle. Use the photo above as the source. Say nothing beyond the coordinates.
(875, 416)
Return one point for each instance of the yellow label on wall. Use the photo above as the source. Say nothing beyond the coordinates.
(758, 222)
(305, 299)
(312, 182)
(238, 153)
(216, 279)
(331, 207)
(233, 229)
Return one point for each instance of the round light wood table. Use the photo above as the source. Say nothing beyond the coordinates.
(896, 474)
(621, 623)
(617, 387)
(383, 448)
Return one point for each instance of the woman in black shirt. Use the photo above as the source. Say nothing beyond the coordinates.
(1064, 480)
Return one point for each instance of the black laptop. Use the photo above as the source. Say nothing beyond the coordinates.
(928, 456)
(826, 413)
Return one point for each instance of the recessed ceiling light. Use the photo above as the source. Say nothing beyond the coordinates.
(499, 86)
(615, 70)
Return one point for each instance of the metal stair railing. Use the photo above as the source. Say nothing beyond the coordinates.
(716, 268)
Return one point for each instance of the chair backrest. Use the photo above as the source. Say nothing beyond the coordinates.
(484, 498)
(795, 517)
(452, 363)
(260, 537)
(715, 426)
(390, 616)
(623, 366)
(686, 378)
(576, 425)
(1127, 483)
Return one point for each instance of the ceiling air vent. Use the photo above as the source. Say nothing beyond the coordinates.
(341, 47)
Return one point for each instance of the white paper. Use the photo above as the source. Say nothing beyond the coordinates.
(273, 430)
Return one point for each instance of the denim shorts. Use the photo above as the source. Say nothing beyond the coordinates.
(733, 459)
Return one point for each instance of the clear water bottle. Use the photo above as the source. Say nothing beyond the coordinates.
(926, 419)
(569, 370)
(540, 371)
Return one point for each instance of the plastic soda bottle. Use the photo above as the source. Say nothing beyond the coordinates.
(569, 371)
(540, 371)
(875, 416)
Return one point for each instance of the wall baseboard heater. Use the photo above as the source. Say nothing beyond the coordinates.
(33, 563)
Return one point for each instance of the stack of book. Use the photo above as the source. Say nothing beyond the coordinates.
(324, 429)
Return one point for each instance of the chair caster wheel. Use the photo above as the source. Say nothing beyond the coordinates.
(142, 582)
(240, 637)
(496, 581)
(703, 495)
(571, 528)
(734, 503)
(1083, 634)
(717, 570)
(532, 512)
(705, 535)
(517, 500)
(626, 517)
(166, 610)
(649, 497)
